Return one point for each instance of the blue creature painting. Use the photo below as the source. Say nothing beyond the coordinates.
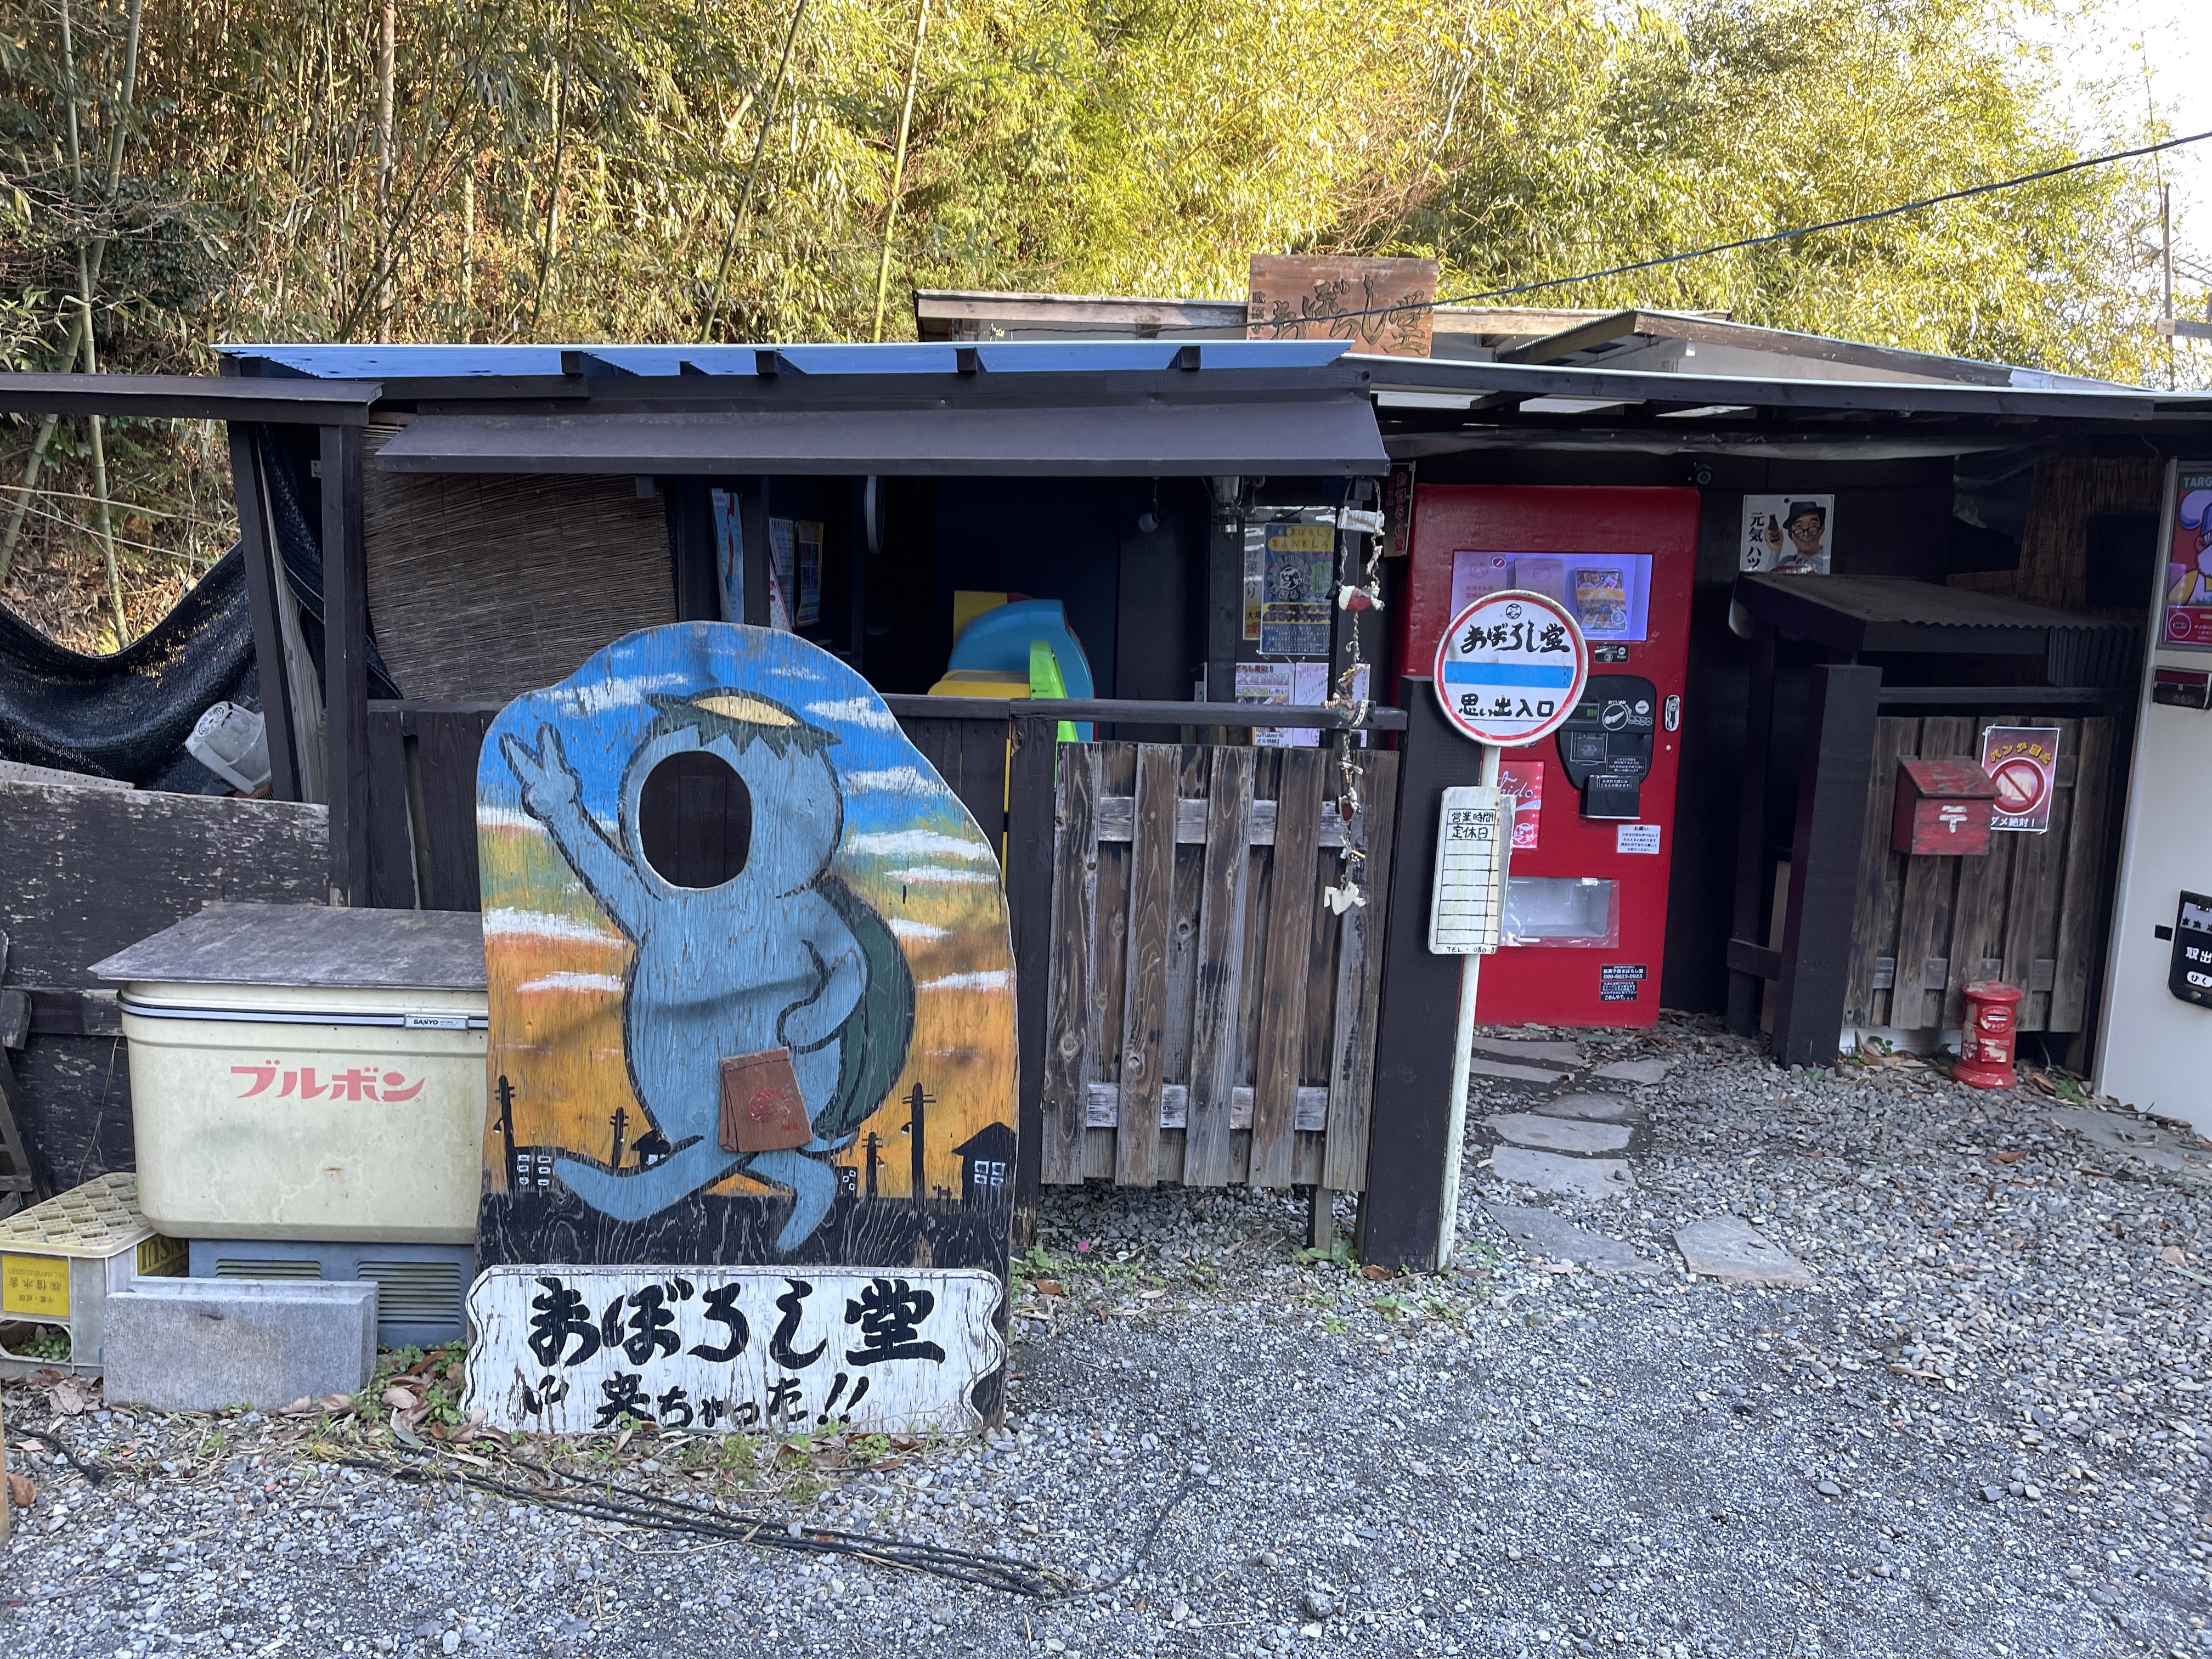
(668, 841)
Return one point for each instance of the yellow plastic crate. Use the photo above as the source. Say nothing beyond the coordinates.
(60, 1260)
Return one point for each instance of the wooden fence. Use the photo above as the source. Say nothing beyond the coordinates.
(2030, 913)
(1209, 1019)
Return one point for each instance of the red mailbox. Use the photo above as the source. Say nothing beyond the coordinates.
(1942, 807)
(1985, 1043)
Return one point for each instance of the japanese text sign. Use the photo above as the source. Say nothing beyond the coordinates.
(1510, 668)
(569, 1350)
(1467, 905)
(2022, 760)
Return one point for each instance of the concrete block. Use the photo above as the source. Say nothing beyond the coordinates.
(199, 1344)
(1635, 1070)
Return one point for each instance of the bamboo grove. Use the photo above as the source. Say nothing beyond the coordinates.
(184, 171)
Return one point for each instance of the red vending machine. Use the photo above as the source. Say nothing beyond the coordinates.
(1586, 902)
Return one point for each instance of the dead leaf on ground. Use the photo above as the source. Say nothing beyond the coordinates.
(336, 1402)
(1375, 1270)
(2174, 1256)
(2008, 1157)
(70, 1397)
(399, 1399)
(1046, 1287)
(22, 1491)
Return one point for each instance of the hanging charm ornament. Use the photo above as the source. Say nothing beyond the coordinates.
(1351, 696)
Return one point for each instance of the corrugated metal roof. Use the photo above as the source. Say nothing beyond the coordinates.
(404, 362)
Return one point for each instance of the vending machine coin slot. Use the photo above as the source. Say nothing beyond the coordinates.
(1605, 746)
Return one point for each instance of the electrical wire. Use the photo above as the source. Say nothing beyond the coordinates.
(604, 1500)
(1741, 242)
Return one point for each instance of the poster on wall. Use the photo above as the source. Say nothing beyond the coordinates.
(1300, 575)
(794, 572)
(2022, 760)
(1290, 685)
(729, 554)
(1790, 534)
(2189, 569)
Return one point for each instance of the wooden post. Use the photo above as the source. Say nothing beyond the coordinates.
(1751, 828)
(263, 573)
(1029, 791)
(694, 559)
(1401, 1219)
(1824, 860)
(345, 663)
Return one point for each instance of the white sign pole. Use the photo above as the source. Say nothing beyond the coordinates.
(1510, 669)
(1470, 972)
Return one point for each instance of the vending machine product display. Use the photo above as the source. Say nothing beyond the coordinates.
(1585, 924)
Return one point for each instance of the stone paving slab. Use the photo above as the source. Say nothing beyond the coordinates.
(1594, 1109)
(1509, 1072)
(1570, 1177)
(1635, 1070)
(2134, 1138)
(1557, 1239)
(1729, 1247)
(1560, 1135)
(1559, 1053)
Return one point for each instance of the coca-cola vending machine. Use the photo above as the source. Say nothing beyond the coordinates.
(1585, 926)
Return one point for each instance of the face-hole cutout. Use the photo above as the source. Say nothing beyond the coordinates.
(695, 820)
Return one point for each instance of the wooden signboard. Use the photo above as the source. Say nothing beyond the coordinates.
(716, 873)
(1379, 304)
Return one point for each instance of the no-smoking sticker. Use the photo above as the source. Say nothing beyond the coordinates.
(1510, 668)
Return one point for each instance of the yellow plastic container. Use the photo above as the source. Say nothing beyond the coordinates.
(304, 1073)
(60, 1259)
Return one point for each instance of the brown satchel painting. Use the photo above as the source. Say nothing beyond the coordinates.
(762, 1110)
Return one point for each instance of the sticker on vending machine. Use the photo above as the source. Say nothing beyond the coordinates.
(1524, 781)
(1620, 982)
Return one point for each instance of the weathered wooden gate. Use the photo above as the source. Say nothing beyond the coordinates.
(1209, 1018)
(2030, 912)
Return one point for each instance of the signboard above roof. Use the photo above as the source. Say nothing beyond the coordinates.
(1381, 306)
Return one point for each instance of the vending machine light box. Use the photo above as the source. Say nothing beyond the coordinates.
(1584, 927)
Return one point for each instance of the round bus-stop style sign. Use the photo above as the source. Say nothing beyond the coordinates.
(1510, 668)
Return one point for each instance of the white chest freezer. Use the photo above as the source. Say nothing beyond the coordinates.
(303, 1071)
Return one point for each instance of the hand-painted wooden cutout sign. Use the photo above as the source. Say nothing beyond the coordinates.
(760, 1349)
(741, 937)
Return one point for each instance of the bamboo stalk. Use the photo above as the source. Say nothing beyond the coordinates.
(387, 54)
(745, 198)
(78, 320)
(469, 245)
(560, 144)
(898, 167)
(100, 470)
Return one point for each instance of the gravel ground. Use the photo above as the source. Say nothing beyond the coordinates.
(1977, 1430)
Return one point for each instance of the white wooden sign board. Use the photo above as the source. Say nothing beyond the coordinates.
(1467, 905)
(571, 1350)
(1510, 668)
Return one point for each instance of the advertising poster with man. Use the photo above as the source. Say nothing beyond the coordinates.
(1791, 534)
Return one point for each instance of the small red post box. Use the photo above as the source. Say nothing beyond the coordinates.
(1985, 1042)
(1942, 807)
